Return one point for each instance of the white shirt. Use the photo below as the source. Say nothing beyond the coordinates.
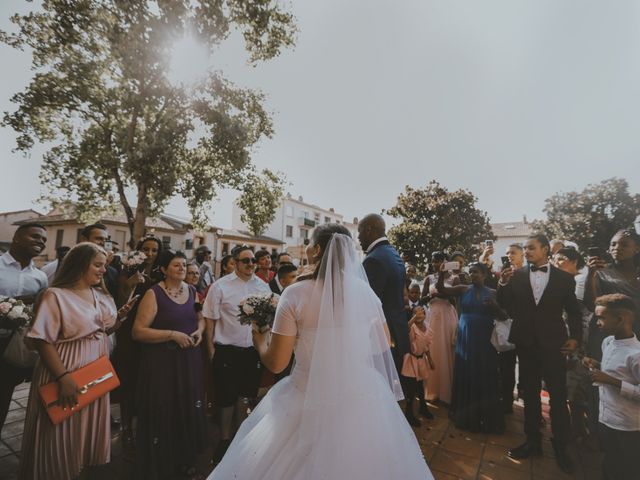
(376, 242)
(620, 408)
(223, 306)
(539, 281)
(50, 270)
(16, 281)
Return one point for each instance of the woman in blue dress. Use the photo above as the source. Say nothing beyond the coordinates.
(475, 403)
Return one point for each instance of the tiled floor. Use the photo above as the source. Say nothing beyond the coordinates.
(452, 454)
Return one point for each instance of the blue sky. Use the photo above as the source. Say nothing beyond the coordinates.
(512, 100)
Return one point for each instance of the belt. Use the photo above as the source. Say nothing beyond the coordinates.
(231, 347)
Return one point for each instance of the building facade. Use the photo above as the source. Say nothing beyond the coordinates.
(507, 234)
(294, 223)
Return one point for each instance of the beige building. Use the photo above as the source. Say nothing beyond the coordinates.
(64, 229)
(294, 223)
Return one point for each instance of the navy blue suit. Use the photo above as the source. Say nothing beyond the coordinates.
(386, 273)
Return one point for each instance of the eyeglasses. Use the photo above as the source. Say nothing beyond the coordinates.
(247, 261)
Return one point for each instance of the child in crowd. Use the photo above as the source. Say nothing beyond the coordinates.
(417, 363)
(618, 379)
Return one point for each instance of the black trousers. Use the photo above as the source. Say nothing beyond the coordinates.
(507, 367)
(621, 450)
(537, 364)
(10, 377)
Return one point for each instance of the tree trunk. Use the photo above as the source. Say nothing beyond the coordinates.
(139, 224)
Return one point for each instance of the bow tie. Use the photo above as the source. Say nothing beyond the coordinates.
(544, 269)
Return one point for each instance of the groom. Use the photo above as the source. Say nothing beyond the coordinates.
(386, 273)
(536, 297)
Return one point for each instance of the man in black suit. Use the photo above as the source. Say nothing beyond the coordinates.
(386, 273)
(535, 297)
(287, 274)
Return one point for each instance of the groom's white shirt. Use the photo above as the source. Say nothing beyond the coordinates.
(376, 242)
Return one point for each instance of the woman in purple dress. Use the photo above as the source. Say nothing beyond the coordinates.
(170, 396)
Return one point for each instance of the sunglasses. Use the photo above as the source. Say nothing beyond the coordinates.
(247, 261)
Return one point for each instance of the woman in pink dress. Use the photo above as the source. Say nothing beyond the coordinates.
(443, 321)
(416, 365)
(72, 322)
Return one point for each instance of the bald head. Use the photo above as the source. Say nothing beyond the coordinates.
(371, 228)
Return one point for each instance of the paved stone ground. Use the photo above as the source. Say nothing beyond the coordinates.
(452, 454)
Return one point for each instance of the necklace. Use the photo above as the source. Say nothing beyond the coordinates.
(174, 293)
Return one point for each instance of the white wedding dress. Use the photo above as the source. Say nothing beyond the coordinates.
(336, 416)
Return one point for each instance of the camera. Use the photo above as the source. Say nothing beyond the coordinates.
(506, 263)
(595, 252)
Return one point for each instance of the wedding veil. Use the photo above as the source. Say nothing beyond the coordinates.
(352, 377)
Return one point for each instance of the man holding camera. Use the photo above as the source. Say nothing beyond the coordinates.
(535, 297)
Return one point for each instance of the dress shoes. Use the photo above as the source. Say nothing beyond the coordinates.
(526, 450)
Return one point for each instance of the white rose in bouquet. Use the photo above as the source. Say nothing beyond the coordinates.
(15, 313)
(248, 309)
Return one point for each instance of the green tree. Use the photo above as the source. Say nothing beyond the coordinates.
(434, 218)
(118, 127)
(261, 196)
(590, 217)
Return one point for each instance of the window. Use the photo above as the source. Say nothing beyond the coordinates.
(289, 211)
(166, 242)
(225, 248)
(79, 235)
(327, 219)
(289, 231)
(59, 237)
(304, 233)
(188, 244)
(274, 251)
(305, 214)
(316, 217)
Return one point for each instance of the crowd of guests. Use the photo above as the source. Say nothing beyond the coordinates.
(560, 305)
(167, 325)
(170, 329)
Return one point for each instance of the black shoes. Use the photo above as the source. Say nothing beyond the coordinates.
(526, 450)
(411, 418)
(424, 410)
(562, 457)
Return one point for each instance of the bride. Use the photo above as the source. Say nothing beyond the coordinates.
(336, 416)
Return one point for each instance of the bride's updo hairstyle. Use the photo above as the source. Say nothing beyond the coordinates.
(322, 236)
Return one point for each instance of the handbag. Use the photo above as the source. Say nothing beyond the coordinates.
(500, 335)
(16, 353)
(95, 380)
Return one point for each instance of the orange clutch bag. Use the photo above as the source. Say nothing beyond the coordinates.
(95, 380)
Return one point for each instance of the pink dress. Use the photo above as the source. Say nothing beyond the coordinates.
(76, 328)
(415, 364)
(443, 321)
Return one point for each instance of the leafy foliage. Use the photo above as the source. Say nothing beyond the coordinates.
(434, 218)
(100, 95)
(590, 217)
(261, 196)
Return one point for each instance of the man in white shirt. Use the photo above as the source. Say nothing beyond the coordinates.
(51, 268)
(618, 379)
(236, 364)
(19, 278)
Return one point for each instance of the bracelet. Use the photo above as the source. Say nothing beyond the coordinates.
(60, 376)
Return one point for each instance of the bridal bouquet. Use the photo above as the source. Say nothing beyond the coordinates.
(259, 311)
(133, 261)
(14, 312)
(16, 316)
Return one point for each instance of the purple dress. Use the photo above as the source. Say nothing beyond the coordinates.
(170, 396)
